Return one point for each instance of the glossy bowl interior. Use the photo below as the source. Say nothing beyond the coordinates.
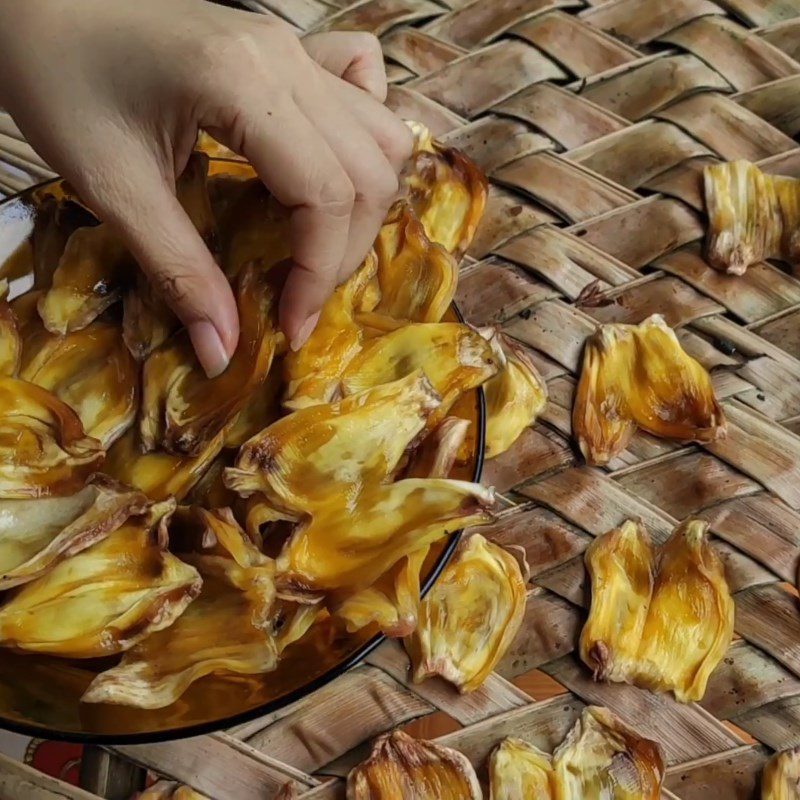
(40, 696)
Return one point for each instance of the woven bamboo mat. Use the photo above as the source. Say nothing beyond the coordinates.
(594, 122)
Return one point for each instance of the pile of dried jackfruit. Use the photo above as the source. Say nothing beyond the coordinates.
(195, 526)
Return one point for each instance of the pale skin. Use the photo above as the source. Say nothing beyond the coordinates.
(112, 94)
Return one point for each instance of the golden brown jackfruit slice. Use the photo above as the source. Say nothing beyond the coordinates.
(470, 617)
(751, 216)
(518, 770)
(392, 602)
(621, 566)
(350, 545)
(158, 474)
(671, 639)
(515, 397)
(319, 456)
(90, 370)
(95, 267)
(454, 357)
(262, 408)
(689, 623)
(169, 790)
(313, 373)
(416, 279)
(253, 226)
(43, 447)
(106, 598)
(10, 344)
(207, 144)
(182, 409)
(604, 759)
(446, 190)
(781, 777)
(403, 768)
(227, 629)
(639, 375)
(37, 534)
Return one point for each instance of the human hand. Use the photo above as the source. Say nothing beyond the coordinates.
(112, 94)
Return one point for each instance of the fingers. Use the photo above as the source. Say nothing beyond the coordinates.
(143, 207)
(353, 56)
(299, 167)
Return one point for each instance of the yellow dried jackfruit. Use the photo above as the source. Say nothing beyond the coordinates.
(620, 565)
(671, 639)
(106, 598)
(158, 474)
(416, 279)
(90, 370)
(470, 617)
(689, 623)
(37, 534)
(169, 790)
(182, 409)
(603, 759)
(640, 376)
(515, 397)
(446, 190)
(43, 447)
(403, 768)
(781, 777)
(10, 344)
(313, 373)
(226, 629)
(518, 771)
(751, 216)
(454, 357)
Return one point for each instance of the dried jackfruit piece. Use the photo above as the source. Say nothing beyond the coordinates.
(391, 603)
(207, 144)
(454, 357)
(227, 629)
(43, 447)
(752, 216)
(95, 267)
(689, 623)
(639, 375)
(781, 777)
(470, 617)
(349, 546)
(37, 534)
(182, 409)
(169, 790)
(519, 770)
(313, 373)
(106, 598)
(446, 190)
(604, 758)
(401, 767)
(416, 279)
(10, 344)
(253, 226)
(667, 633)
(319, 456)
(621, 566)
(261, 409)
(90, 370)
(89, 278)
(515, 397)
(158, 474)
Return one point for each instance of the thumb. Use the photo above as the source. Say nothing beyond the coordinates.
(155, 228)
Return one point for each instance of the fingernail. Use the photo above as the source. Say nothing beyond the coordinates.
(302, 335)
(209, 348)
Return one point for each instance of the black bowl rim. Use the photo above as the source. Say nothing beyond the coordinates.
(222, 723)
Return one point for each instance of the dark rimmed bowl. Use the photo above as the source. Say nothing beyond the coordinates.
(40, 696)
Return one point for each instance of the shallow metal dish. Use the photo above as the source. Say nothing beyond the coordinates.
(39, 695)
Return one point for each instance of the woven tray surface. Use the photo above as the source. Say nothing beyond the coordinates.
(594, 122)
